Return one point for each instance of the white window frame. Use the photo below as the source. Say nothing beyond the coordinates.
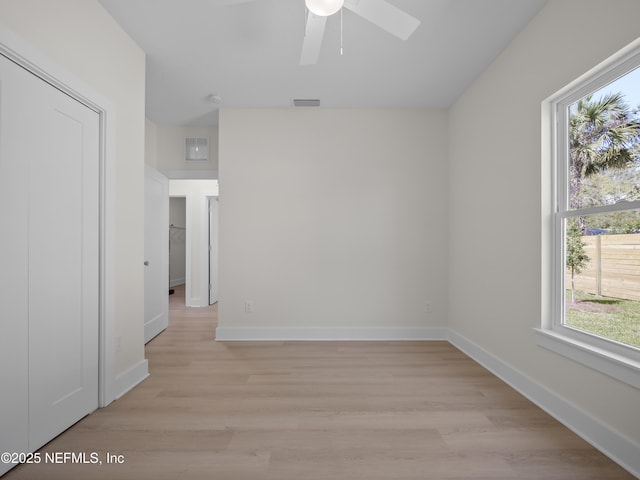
(605, 355)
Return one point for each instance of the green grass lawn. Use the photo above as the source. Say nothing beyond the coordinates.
(613, 318)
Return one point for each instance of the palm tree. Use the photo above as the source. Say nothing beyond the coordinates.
(603, 134)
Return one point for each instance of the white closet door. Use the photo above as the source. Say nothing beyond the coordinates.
(14, 258)
(63, 268)
(52, 152)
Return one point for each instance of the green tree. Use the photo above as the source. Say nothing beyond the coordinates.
(603, 134)
(610, 186)
(576, 258)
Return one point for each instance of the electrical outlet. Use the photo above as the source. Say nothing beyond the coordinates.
(118, 343)
(428, 308)
(248, 306)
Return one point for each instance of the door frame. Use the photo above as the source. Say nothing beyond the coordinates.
(214, 228)
(197, 235)
(32, 60)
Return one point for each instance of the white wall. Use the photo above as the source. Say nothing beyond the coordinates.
(333, 223)
(151, 144)
(196, 193)
(171, 152)
(79, 36)
(498, 279)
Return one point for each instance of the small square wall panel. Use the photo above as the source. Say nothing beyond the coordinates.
(197, 149)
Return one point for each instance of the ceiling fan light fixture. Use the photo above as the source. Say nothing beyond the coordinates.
(215, 99)
(324, 8)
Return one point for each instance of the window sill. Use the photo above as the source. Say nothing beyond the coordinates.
(618, 366)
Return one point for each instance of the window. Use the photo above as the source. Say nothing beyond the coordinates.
(595, 231)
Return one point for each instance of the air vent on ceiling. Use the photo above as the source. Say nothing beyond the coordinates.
(306, 102)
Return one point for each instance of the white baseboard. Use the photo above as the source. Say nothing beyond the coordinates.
(229, 334)
(196, 302)
(619, 448)
(155, 327)
(132, 377)
(174, 282)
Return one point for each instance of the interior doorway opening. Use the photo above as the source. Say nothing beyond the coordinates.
(177, 242)
(196, 195)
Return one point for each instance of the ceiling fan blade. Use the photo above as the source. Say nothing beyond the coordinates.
(312, 39)
(385, 16)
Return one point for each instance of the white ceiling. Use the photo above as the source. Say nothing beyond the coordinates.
(247, 52)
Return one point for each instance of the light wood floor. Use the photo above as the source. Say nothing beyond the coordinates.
(330, 410)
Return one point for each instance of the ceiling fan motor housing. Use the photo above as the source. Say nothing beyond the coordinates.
(324, 8)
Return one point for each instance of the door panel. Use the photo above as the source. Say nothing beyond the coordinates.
(156, 252)
(213, 249)
(49, 281)
(63, 269)
(14, 279)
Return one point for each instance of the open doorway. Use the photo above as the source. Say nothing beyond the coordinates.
(177, 242)
(197, 271)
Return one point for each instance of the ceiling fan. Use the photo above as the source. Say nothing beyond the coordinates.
(379, 12)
